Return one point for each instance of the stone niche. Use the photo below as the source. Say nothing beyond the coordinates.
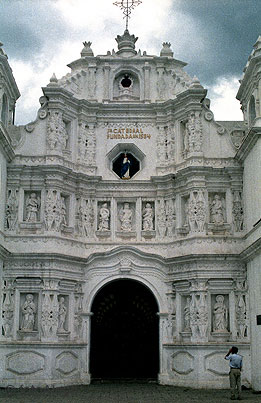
(28, 316)
(217, 213)
(220, 317)
(63, 315)
(32, 220)
(103, 219)
(148, 219)
(126, 219)
(185, 317)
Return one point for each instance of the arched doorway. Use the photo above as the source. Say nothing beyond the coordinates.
(124, 332)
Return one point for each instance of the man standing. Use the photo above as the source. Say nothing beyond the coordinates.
(235, 372)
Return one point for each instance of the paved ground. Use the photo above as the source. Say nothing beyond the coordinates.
(121, 393)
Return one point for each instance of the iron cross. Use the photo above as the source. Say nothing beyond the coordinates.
(127, 6)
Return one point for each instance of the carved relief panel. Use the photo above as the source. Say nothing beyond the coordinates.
(8, 308)
(85, 217)
(58, 131)
(11, 212)
(56, 214)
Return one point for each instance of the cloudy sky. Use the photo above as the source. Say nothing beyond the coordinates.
(215, 38)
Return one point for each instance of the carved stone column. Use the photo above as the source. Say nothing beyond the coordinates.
(106, 73)
(146, 70)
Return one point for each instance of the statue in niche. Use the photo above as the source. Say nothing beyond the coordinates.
(86, 218)
(237, 212)
(32, 207)
(104, 217)
(241, 317)
(125, 168)
(216, 211)
(147, 218)
(220, 315)
(28, 313)
(62, 311)
(187, 316)
(126, 218)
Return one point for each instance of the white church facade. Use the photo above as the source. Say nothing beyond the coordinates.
(129, 225)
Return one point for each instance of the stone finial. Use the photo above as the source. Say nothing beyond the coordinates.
(166, 50)
(126, 43)
(53, 80)
(87, 51)
(195, 83)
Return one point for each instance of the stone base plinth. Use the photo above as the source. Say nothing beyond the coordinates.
(221, 336)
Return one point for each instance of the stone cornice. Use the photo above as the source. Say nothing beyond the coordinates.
(14, 91)
(248, 143)
(254, 63)
(251, 251)
(100, 60)
(5, 143)
(4, 254)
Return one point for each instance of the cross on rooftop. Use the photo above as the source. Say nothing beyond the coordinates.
(127, 6)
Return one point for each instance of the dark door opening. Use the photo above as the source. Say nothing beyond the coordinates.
(124, 332)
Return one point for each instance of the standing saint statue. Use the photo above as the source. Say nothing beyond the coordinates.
(61, 315)
(220, 315)
(147, 217)
(125, 168)
(216, 211)
(104, 217)
(126, 217)
(28, 312)
(32, 207)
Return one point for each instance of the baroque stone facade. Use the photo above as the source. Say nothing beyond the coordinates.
(125, 175)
